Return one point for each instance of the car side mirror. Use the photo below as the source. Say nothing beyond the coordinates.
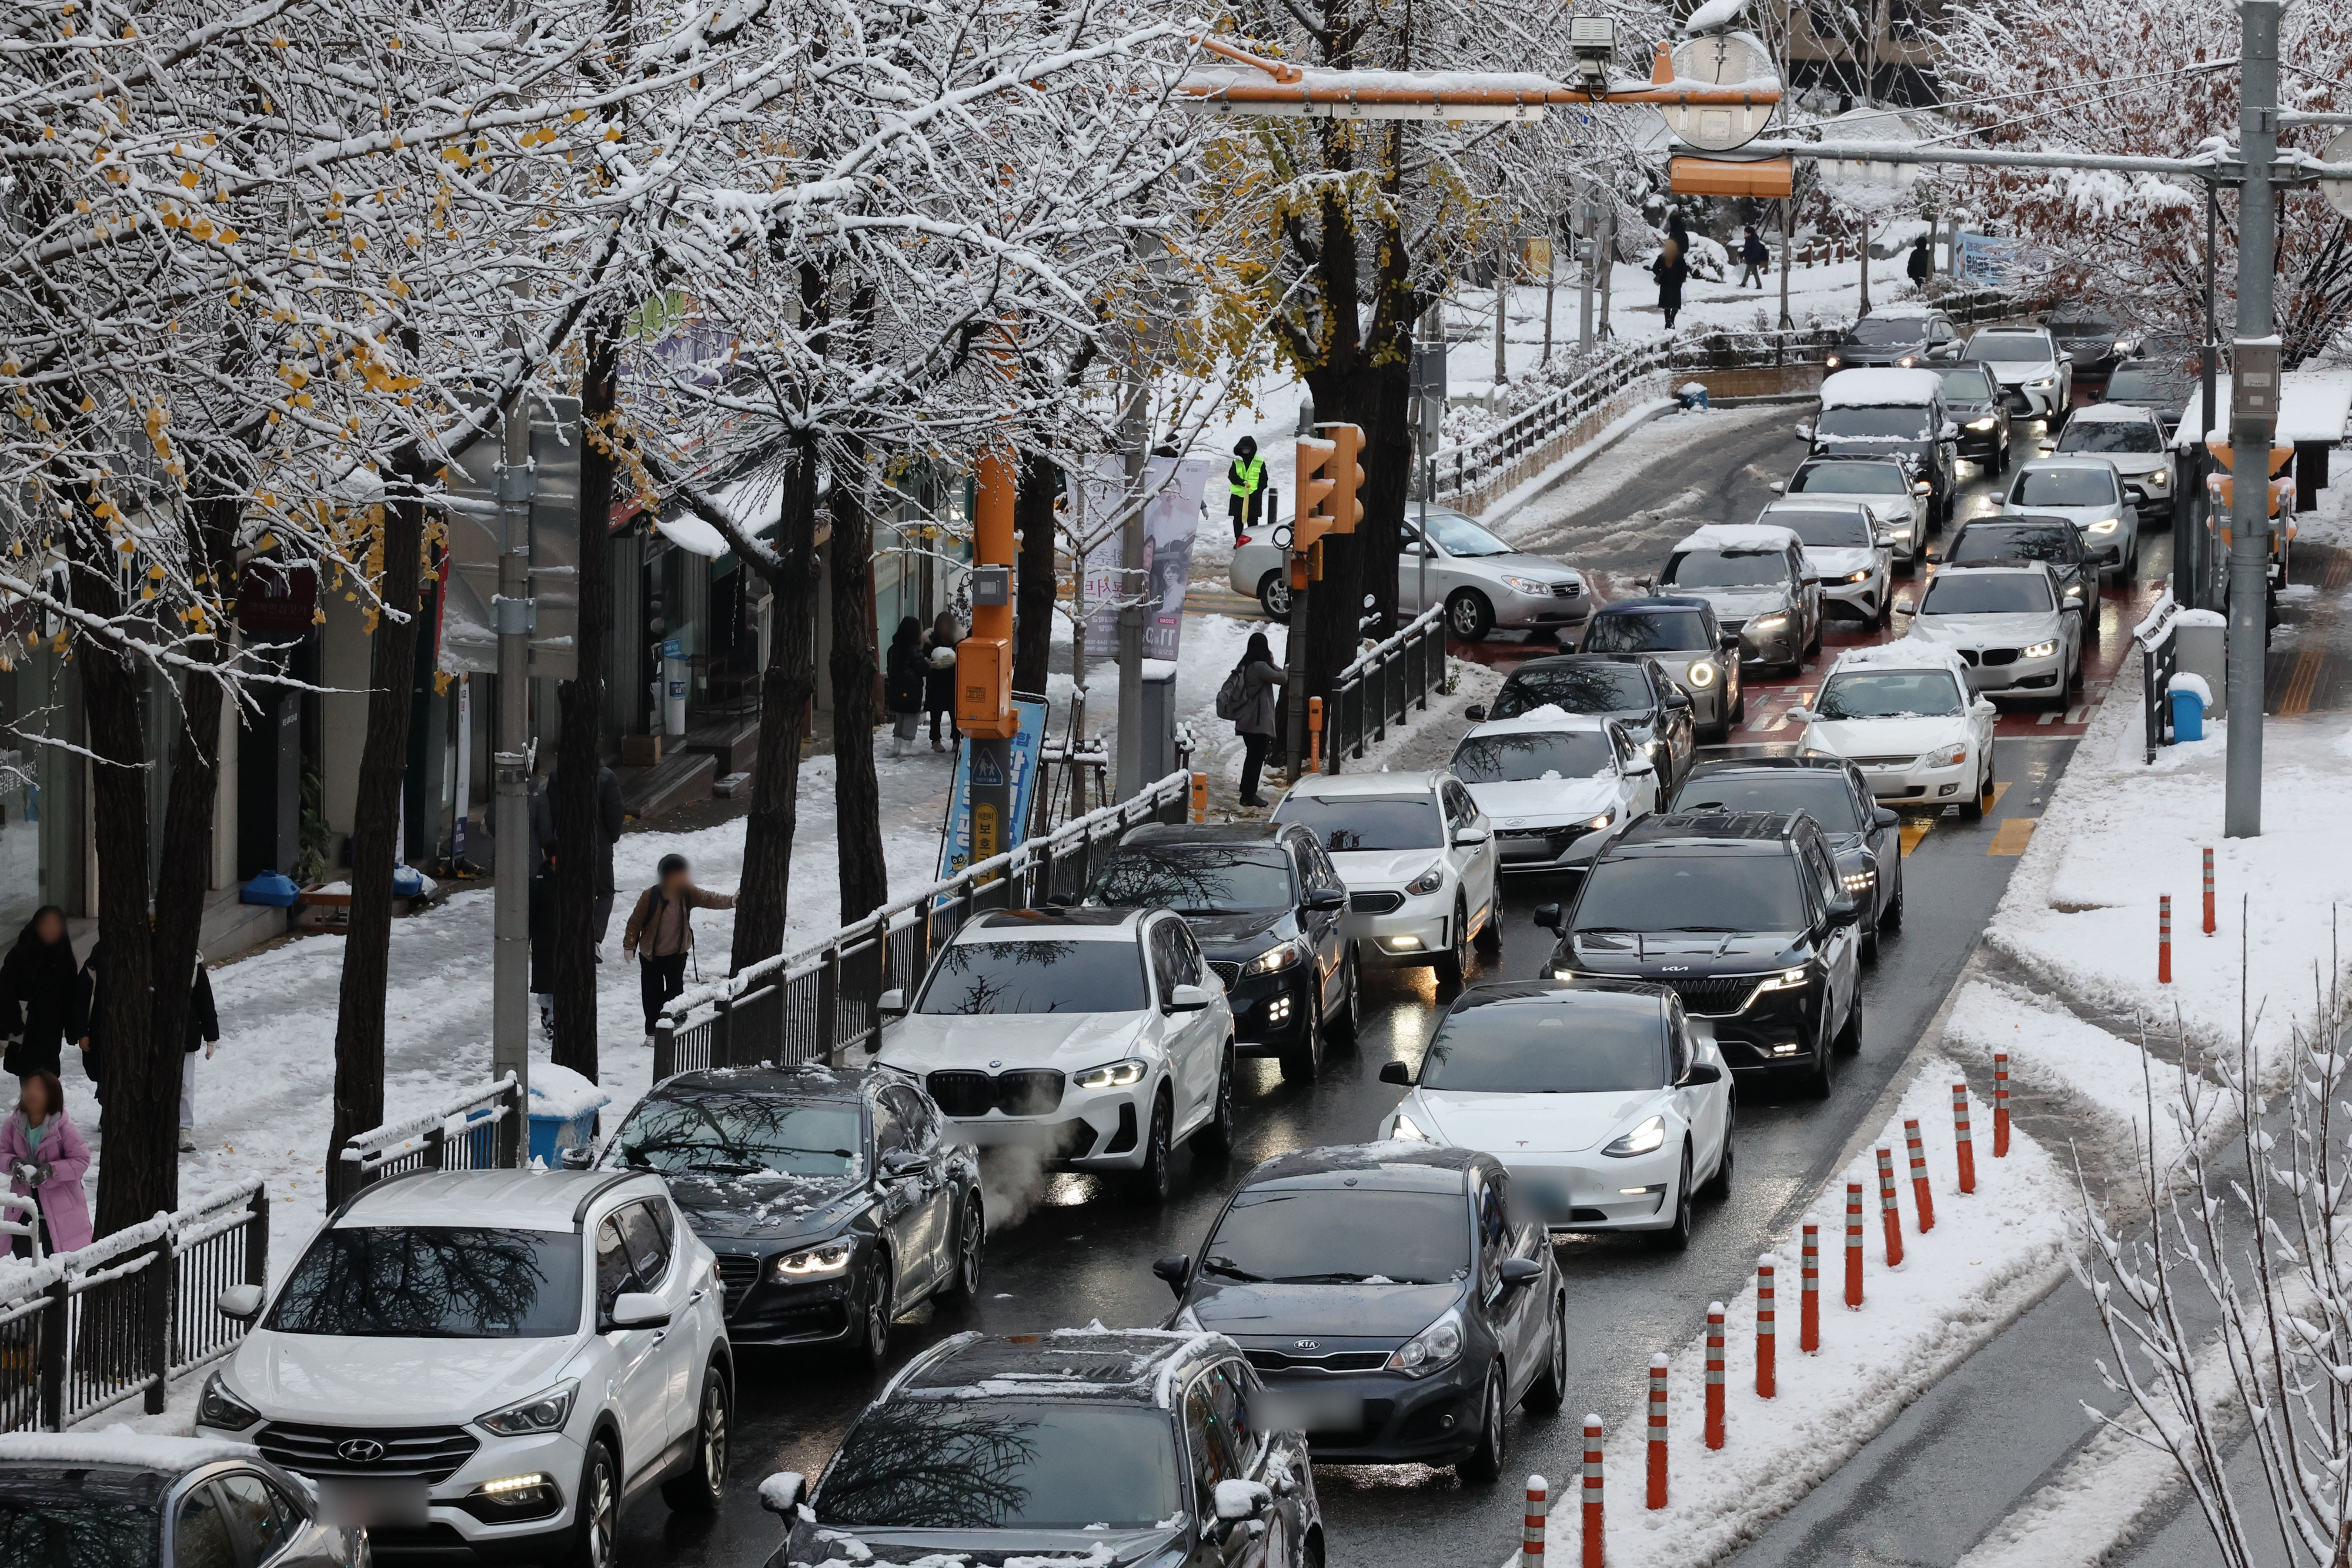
(578, 1157)
(2066, 356)
(1779, 487)
(891, 1003)
(1475, 713)
(1396, 1072)
(1470, 838)
(1905, 606)
(1518, 1273)
(638, 1309)
(240, 1304)
(1880, 817)
(1727, 640)
(1984, 704)
(1640, 765)
(1949, 432)
(1921, 487)
(904, 1162)
(1173, 1268)
(1237, 1499)
(1328, 898)
(1677, 700)
(1548, 916)
(1804, 715)
(1845, 912)
(1699, 1073)
(782, 1492)
(1187, 999)
(1804, 431)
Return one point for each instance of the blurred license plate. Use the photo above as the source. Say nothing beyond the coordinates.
(386, 1502)
(1306, 1410)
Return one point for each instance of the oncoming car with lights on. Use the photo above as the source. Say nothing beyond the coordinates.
(487, 1365)
(1548, 779)
(1418, 857)
(1697, 653)
(830, 1200)
(1901, 712)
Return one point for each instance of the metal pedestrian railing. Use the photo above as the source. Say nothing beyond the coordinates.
(83, 1331)
(819, 1003)
(1468, 467)
(479, 1129)
(1384, 683)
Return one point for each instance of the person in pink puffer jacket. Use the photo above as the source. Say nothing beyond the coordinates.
(46, 1157)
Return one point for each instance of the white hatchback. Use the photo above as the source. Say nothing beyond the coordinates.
(1095, 1039)
(1419, 858)
(489, 1362)
(1548, 779)
(1902, 712)
(1609, 1109)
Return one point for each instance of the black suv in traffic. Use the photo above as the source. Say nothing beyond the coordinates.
(1743, 916)
(1866, 838)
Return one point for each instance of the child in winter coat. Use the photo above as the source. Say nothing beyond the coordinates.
(45, 1158)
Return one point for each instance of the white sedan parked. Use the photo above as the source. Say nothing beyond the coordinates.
(1095, 1039)
(1548, 778)
(1610, 1110)
(1903, 713)
(1418, 857)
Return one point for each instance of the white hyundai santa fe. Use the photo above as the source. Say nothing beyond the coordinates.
(1097, 1039)
(488, 1364)
(1419, 858)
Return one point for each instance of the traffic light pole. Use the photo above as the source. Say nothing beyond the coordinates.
(2249, 430)
(510, 821)
(983, 662)
(1131, 442)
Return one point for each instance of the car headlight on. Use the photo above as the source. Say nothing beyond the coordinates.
(1772, 622)
(2107, 525)
(1429, 881)
(1274, 960)
(1786, 981)
(543, 1412)
(1984, 423)
(1862, 576)
(217, 1407)
(2073, 590)
(1433, 1348)
(1702, 674)
(1603, 820)
(2043, 384)
(1651, 747)
(2040, 649)
(1903, 533)
(1541, 589)
(814, 1262)
(1406, 1128)
(1647, 1138)
(1115, 1074)
(2157, 478)
(1817, 751)
(1832, 362)
(1907, 360)
(1861, 881)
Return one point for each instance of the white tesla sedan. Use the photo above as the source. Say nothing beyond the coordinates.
(1549, 778)
(1418, 857)
(1095, 1039)
(1902, 712)
(1609, 1109)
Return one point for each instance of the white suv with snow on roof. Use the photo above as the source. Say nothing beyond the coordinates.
(487, 1365)
(1892, 414)
(1903, 713)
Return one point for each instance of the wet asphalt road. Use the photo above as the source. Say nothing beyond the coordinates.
(1082, 1253)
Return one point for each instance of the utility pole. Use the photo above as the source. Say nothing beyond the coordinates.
(984, 660)
(1502, 311)
(510, 908)
(1606, 260)
(2192, 564)
(1132, 441)
(2253, 417)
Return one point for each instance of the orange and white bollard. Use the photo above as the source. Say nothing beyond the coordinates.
(1657, 1432)
(1853, 1244)
(1200, 796)
(1999, 1104)
(2209, 892)
(1890, 1216)
(2163, 940)
(1532, 1528)
(1715, 1375)
(1764, 1334)
(1961, 1137)
(1595, 1549)
(1808, 1302)
(1314, 734)
(1920, 1194)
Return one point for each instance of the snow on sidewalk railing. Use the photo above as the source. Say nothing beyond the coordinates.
(81, 1331)
(475, 1129)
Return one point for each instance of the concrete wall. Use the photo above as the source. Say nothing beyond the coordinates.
(343, 716)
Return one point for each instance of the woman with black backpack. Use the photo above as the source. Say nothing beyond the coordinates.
(1247, 698)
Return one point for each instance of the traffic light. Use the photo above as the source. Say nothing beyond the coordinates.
(1347, 469)
(1313, 517)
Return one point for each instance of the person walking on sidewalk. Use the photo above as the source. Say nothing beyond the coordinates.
(1752, 258)
(1245, 486)
(1922, 264)
(660, 933)
(1259, 712)
(1671, 269)
(83, 1024)
(37, 988)
(902, 683)
(610, 817)
(46, 1157)
(938, 675)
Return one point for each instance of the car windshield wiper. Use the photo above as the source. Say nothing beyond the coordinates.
(1703, 928)
(1226, 1267)
(1344, 1277)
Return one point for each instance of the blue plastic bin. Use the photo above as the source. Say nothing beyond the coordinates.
(271, 888)
(2187, 716)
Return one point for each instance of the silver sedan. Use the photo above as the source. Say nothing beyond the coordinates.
(1482, 582)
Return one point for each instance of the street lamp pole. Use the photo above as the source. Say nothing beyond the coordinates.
(510, 899)
(2253, 418)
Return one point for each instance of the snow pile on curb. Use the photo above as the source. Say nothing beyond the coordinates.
(1990, 1256)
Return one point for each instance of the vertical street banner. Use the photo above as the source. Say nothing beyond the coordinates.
(955, 844)
(1171, 521)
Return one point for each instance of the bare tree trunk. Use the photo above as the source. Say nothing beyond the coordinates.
(865, 876)
(376, 826)
(785, 690)
(579, 757)
(1033, 608)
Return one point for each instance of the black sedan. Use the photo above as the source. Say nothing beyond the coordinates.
(1866, 838)
(1632, 688)
(1267, 907)
(1081, 1446)
(1394, 1298)
(2087, 334)
(2023, 536)
(2164, 387)
(1973, 399)
(827, 1193)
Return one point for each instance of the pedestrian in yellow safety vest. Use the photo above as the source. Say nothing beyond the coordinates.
(1246, 479)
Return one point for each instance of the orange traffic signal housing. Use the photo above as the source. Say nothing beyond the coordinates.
(1312, 495)
(1760, 178)
(1346, 470)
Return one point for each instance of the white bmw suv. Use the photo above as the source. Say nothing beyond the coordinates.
(489, 1363)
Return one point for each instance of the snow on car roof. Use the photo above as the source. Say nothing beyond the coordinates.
(1093, 923)
(2067, 460)
(1549, 719)
(1881, 388)
(1128, 1366)
(509, 1199)
(1900, 311)
(121, 1446)
(1331, 786)
(1903, 654)
(1739, 536)
(2112, 413)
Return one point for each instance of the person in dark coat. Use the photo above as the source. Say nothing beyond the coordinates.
(610, 819)
(1922, 264)
(84, 1024)
(902, 683)
(37, 990)
(1672, 269)
(545, 897)
(1752, 259)
(1261, 713)
(938, 675)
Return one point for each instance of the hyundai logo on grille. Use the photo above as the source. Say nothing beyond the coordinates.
(359, 1450)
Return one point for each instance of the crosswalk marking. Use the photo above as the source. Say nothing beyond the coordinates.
(2045, 718)
(2012, 837)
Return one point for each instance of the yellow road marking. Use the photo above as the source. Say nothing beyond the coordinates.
(2012, 837)
(1912, 831)
(2000, 788)
(2297, 696)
